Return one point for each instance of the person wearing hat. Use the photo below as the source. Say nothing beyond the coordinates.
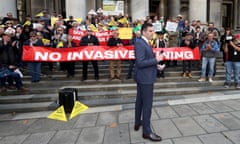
(232, 63)
(160, 42)
(187, 64)
(34, 67)
(89, 40)
(8, 67)
(7, 18)
(9, 28)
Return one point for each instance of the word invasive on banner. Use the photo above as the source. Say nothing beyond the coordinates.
(102, 53)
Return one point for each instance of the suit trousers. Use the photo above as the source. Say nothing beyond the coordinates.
(143, 106)
(111, 68)
(85, 68)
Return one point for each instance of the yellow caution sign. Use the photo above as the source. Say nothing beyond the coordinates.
(77, 109)
(59, 114)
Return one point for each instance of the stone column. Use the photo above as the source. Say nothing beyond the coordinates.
(8, 6)
(174, 8)
(198, 10)
(139, 9)
(215, 12)
(77, 8)
(238, 14)
(162, 8)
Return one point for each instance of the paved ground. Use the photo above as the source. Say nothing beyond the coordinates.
(179, 122)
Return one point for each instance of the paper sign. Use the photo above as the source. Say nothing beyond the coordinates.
(171, 26)
(59, 114)
(125, 33)
(157, 27)
(77, 109)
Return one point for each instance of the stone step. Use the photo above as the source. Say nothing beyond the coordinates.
(101, 101)
(106, 91)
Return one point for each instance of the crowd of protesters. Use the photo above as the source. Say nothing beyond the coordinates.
(40, 32)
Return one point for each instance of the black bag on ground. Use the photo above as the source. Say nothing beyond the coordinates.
(67, 98)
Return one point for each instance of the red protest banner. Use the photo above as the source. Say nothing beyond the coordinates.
(102, 53)
(102, 36)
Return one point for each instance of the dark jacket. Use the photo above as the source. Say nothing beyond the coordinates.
(89, 39)
(7, 54)
(113, 41)
(145, 70)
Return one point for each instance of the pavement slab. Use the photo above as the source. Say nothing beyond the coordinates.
(228, 120)
(166, 112)
(92, 135)
(215, 138)
(188, 127)
(210, 124)
(236, 114)
(126, 116)
(201, 108)
(14, 127)
(118, 134)
(219, 106)
(65, 137)
(44, 125)
(86, 120)
(162, 142)
(187, 140)
(233, 136)
(184, 110)
(234, 104)
(107, 118)
(39, 138)
(165, 128)
(16, 139)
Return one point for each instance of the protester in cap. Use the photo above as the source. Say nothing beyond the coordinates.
(89, 40)
(160, 42)
(199, 37)
(69, 23)
(186, 28)
(18, 41)
(193, 26)
(187, 64)
(180, 28)
(70, 66)
(209, 51)
(9, 17)
(136, 36)
(115, 41)
(8, 67)
(232, 63)
(34, 66)
(225, 38)
(9, 28)
(2, 29)
(212, 29)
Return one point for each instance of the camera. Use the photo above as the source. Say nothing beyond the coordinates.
(229, 38)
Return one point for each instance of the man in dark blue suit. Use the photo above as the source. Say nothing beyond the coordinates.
(145, 72)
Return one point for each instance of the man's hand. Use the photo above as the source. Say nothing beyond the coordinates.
(159, 57)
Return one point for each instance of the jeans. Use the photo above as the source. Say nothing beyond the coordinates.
(35, 70)
(210, 62)
(232, 66)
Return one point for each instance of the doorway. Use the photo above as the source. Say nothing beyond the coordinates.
(227, 15)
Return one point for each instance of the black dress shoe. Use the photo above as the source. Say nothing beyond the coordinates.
(152, 137)
(136, 127)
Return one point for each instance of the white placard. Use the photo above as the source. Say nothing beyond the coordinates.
(171, 26)
(157, 27)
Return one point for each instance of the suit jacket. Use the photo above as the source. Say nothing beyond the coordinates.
(145, 70)
(89, 39)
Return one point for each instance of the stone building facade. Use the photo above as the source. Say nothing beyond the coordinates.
(224, 13)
